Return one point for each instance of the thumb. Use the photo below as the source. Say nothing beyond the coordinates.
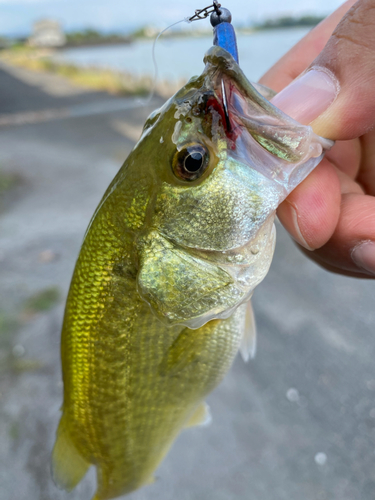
(336, 94)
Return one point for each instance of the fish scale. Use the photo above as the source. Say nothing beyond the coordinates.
(159, 302)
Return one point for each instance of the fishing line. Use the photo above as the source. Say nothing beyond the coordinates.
(156, 70)
(199, 14)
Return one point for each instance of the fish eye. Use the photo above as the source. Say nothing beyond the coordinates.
(191, 162)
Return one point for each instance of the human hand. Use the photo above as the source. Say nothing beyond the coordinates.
(332, 213)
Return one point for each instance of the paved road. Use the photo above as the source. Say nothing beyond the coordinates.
(297, 423)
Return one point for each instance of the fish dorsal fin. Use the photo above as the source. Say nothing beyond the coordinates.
(201, 416)
(249, 335)
(68, 466)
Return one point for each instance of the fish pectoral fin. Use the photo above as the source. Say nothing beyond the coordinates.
(201, 416)
(249, 335)
(68, 466)
(181, 355)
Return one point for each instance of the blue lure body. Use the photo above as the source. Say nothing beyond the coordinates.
(225, 37)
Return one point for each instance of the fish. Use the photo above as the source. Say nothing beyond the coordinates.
(159, 303)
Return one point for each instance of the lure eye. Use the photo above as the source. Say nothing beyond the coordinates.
(191, 162)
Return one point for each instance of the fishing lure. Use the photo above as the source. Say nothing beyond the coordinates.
(159, 302)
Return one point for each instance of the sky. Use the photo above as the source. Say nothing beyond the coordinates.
(17, 16)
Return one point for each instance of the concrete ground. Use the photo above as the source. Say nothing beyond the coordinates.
(296, 423)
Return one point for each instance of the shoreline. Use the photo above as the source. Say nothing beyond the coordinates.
(96, 44)
(93, 78)
(130, 39)
(181, 35)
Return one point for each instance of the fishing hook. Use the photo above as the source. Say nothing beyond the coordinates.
(203, 13)
(225, 106)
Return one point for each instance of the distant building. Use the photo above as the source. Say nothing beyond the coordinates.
(151, 31)
(47, 33)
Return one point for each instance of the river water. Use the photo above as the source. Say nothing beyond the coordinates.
(183, 57)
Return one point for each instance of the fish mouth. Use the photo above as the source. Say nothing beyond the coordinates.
(258, 133)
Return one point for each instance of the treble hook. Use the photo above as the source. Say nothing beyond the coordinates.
(203, 13)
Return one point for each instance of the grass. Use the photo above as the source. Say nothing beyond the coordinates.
(12, 321)
(8, 323)
(14, 430)
(7, 182)
(41, 60)
(26, 365)
(43, 300)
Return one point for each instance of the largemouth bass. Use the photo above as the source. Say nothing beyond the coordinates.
(159, 302)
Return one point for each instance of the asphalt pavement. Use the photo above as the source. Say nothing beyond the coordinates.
(295, 423)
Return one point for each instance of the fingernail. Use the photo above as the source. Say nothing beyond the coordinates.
(308, 96)
(290, 222)
(363, 255)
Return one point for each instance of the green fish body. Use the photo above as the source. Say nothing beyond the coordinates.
(159, 302)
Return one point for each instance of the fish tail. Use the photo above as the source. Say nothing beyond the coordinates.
(110, 485)
(112, 482)
(68, 466)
